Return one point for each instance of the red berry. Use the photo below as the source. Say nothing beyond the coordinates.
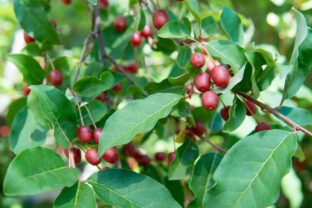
(160, 18)
(56, 78)
(136, 39)
(111, 155)
(252, 109)
(160, 156)
(105, 168)
(211, 65)
(132, 68)
(188, 132)
(210, 100)
(202, 82)
(26, 90)
(96, 135)
(120, 24)
(199, 129)
(147, 31)
(76, 153)
(144, 160)
(84, 134)
(103, 4)
(130, 150)
(220, 76)
(28, 39)
(101, 97)
(53, 22)
(225, 113)
(263, 126)
(171, 157)
(66, 2)
(198, 60)
(117, 87)
(4, 131)
(91, 157)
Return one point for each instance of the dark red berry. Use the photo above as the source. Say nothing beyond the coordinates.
(144, 160)
(101, 97)
(96, 135)
(111, 155)
(130, 150)
(199, 129)
(160, 156)
(26, 90)
(53, 22)
(263, 126)
(198, 60)
(117, 87)
(132, 68)
(76, 153)
(120, 24)
(220, 76)
(56, 77)
(147, 31)
(136, 39)
(105, 168)
(91, 157)
(160, 18)
(210, 100)
(250, 108)
(225, 113)
(66, 2)
(28, 39)
(84, 134)
(103, 4)
(202, 82)
(171, 157)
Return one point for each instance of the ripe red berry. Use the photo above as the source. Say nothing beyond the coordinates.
(147, 31)
(198, 60)
(132, 68)
(56, 78)
(117, 87)
(210, 100)
(225, 113)
(101, 97)
(5, 131)
(199, 129)
(120, 24)
(91, 157)
(136, 39)
(252, 109)
(103, 4)
(171, 157)
(53, 22)
(26, 90)
(144, 160)
(202, 82)
(84, 134)
(211, 65)
(188, 132)
(66, 2)
(130, 150)
(220, 76)
(160, 156)
(111, 155)
(28, 39)
(263, 126)
(96, 135)
(76, 153)
(160, 18)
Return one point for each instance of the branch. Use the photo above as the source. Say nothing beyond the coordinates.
(276, 113)
(216, 147)
(100, 35)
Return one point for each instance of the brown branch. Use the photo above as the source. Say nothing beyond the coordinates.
(216, 147)
(100, 35)
(276, 113)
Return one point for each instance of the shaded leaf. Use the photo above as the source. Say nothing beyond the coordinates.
(192, 6)
(174, 29)
(301, 116)
(142, 20)
(232, 25)
(14, 107)
(237, 116)
(184, 56)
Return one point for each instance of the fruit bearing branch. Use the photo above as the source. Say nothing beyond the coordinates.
(275, 112)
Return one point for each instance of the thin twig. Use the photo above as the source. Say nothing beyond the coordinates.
(253, 115)
(107, 99)
(90, 115)
(78, 106)
(216, 147)
(276, 113)
(100, 35)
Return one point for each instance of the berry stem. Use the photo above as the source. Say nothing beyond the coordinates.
(78, 106)
(157, 3)
(253, 115)
(90, 115)
(50, 61)
(100, 35)
(222, 102)
(216, 147)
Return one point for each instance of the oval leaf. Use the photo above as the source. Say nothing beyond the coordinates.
(301, 116)
(174, 29)
(237, 116)
(232, 25)
(184, 56)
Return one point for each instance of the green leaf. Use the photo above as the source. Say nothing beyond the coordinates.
(202, 181)
(142, 20)
(228, 52)
(124, 188)
(37, 170)
(80, 195)
(183, 163)
(32, 49)
(92, 87)
(33, 19)
(97, 109)
(167, 85)
(26, 132)
(174, 29)
(94, 2)
(29, 67)
(184, 56)
(292, 189)
(50, 105)
(209, 27)
(192, 6)
(249, 175)
(301, 116)
(135, 92)
(137, 117)
(133, 2)
(237, 116)
(232, 25)
(14, 107)
(175, 188)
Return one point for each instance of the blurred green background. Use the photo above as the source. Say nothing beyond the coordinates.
(272, 23)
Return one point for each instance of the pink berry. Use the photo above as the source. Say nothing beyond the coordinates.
(147, 31)
(202, 82)
(220, 76)
(263, 126)
(96, 135)
(84, 134)
(120, 24)
(91, 157)
(160, 18)
(26, 90)
(111, 155)
(56, 78)
(210, 100)
(197, 60)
